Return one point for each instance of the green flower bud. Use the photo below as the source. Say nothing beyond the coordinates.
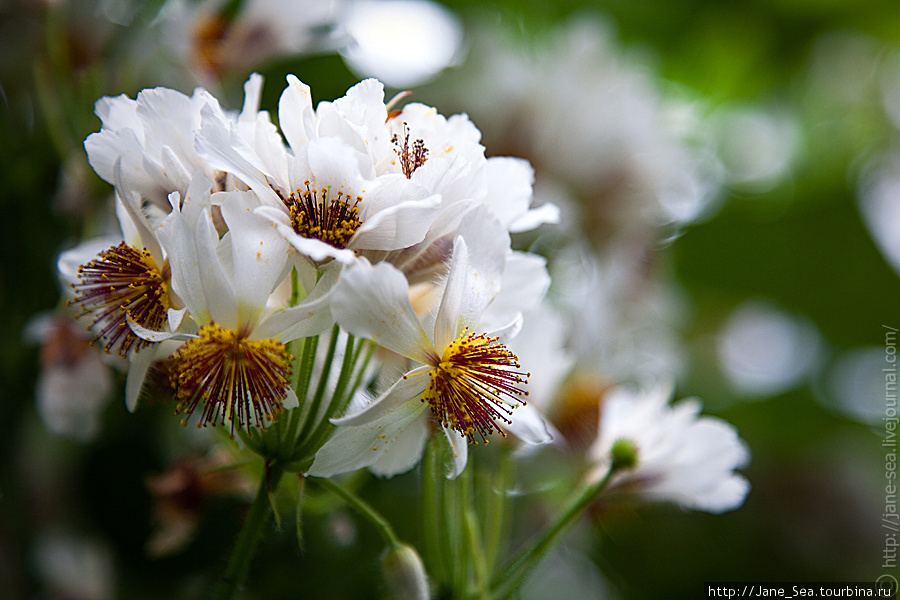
(405, 573)
(624, 454)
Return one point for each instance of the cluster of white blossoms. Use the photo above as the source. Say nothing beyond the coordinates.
(356, 216)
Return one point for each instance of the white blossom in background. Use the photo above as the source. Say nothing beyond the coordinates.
(74, 384)
(213, 44)
(590, 119)
(74, 566)
(757, 146)
(622, 322)
(403, 43)
(764, 350)
(878, 199)
(682, 457)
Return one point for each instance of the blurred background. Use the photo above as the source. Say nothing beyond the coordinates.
(729, 178)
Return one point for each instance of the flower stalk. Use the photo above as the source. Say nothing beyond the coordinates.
(515, 575)
(248, 539)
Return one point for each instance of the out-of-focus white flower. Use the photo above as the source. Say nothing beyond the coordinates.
(879, 203)
(681, 457)
(215, 43)
(468, 382)
(587, 115)
(622, 320)
(74, 383)
(757, 147)
(76, 567)
(855, 385)
(764, 351)
(401, 42)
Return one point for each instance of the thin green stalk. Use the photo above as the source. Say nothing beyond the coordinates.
(515, 575)
(455, 548)
(304, 376)
(431, 504)
(312, 418)
(301, 492)
(497, 499)
(249, 536)
(365, 509)
(339, 401)
(476, 552)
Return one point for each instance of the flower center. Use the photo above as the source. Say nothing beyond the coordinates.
(331, 220)
(236, 378)
(124, 283)
(411, 157)
(475, 384)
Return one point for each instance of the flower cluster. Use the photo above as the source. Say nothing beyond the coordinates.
(389, 223)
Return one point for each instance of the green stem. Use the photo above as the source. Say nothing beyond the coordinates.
(515, 575)
(476, 551)
(496, 485)
(248, 538)
(431, 502)
(312, 418)
(364, 509)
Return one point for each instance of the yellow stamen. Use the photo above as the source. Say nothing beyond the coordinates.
(314, 215)
(237, 379)
(475, 384)
(123, 283)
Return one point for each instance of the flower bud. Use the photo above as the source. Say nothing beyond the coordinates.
(623, 454)
(405, 573)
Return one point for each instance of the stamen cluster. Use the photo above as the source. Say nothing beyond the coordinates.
(237, 379)
(475, 384)
(123, 283)
(331, 220)
(411, 158)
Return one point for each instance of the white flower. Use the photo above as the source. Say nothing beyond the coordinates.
(681, 457)
(470, 384)
(74, 384)
(324, 195)
(588, 115)
(215, 44)
(237, 364)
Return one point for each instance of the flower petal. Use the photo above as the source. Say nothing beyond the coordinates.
(373, 302)
(355, 447)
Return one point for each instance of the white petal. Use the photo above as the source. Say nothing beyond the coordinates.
(83, 253)
(138, 365)
(175, 316)
(408, 387)
(311, 317)
(545, 213)
(259, 255)
(373, 302)
(157, 336)
(218, 293)
(290, 401)
(459, 452)
(132, 204)
(295, 113)
(398, 226)
(447, 325)
(509, 189)
(355, 447)
(529, 426)
(405, 451)
(224, 149)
